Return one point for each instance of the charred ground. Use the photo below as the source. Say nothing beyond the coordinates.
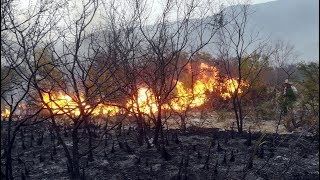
(199, 153)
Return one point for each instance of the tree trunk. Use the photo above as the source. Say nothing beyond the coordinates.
(158, 126)
(183, 123)
(9, 174)
(60, 141)
(161, 133)
(75, 155)
(9, 163)
(235, 108)
(9, 151)
(240, 116)
(146, 139)
(90, 157)
(140, 129)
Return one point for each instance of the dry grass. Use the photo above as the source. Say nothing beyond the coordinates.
(224, 120)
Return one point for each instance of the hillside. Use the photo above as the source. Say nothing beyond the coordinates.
(294, 21)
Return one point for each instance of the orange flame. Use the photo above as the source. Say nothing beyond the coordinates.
(145, 102)
(209, 76)
(64, 104)
(205, 82)
(106, 110)
(197, 96)
(230, 86)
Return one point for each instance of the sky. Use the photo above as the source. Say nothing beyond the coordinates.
(26, 2)
(155, 4)
(154, 7)
(260, 1)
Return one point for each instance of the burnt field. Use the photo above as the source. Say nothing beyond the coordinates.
(199, 153)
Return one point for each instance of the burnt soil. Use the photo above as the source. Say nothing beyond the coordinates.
(199, 153)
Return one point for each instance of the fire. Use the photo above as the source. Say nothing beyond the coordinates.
(184, 98)
(61, 104)
(199, 91)
(102, 109)
(5, 113)
(195, 96)
(145, 102)
(230, 86)
(64, 104)
(209, 76)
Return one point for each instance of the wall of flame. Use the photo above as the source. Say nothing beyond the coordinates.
(184, 98)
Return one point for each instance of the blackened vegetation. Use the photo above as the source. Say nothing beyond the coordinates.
(112, 149)
(164, 153)
(128, 148)
(249, 139)
(232, 158)
(194, 154)
(176, 139)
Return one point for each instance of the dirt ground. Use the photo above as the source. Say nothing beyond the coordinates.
(199, 153)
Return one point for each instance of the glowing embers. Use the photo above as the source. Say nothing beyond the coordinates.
(5, 113)
(106, 110)
(145, 102)
(230, 86)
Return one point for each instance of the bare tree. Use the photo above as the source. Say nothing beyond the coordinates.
(85, 57)
(21, 34)
(244, 56)
(196, 82)
(74, 67)
(125, 40)
(284, 60)
(165, 42)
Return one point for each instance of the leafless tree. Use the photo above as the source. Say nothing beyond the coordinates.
(124, 37)
(165, 42)
(21, 35)
(85, 57)
(197, 80)
(72, 63)
(244, 55)
(284, 59)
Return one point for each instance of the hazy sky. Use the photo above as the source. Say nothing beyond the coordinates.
(154, 6)
(153, 10)
(26, 2)
(260, 1)
(155, 3)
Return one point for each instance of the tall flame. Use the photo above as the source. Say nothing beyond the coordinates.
(209, 76)
(195, 96)
(230, 86)
(145, 102)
